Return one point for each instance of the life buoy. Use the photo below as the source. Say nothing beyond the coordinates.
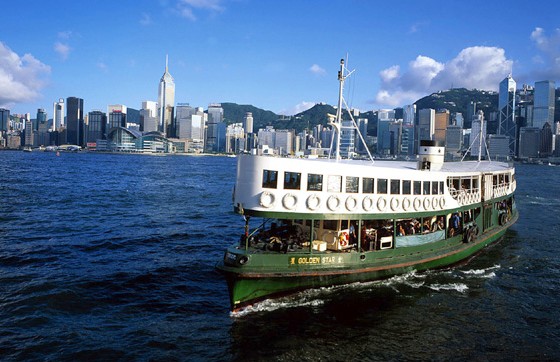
(351, 203)
(435, 203)
(333, 203)
(416, 204)
(343, 239)
(267, 199)
(394, 203)
(313, 202)
(381, 204)
(406, 203)
(442, 202)
(289, 201)
(426, 203)
(367, 203)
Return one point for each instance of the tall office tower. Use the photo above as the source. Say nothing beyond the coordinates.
(506, 107)
(409, 114)
(75, 120)
(41, 117)
(347, 139)
(234, 138)
(384, 135)
(441, 121)
(426, 125)
(543, 109)
(248, 122)
(58, 114)
(471, 114)
(29, 132)
(284, 141)
(407, 140)
(132, 118)
(458, 119)
(267, 136)
(166, 100)
(183, 120)
(395, 132)
(215, 116)
(453, 138)
(97, 123)
(4, 119)
(362, 126)
(148, 116)
(529, 142)
(116, 119)
(478, 140)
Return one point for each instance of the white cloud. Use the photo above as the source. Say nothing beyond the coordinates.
(21, 78)
(298, 108)
(550, 47)
(62, 49)
(102, 66)
(186, 8)
(317, 70)
(474, 67)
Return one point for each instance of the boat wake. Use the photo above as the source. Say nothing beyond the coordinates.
(451, 280)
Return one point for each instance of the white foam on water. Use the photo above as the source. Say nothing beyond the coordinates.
(459, 287)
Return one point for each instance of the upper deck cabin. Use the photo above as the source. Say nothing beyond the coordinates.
(321, 188)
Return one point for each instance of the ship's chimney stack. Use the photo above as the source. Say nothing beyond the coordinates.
(430, 155)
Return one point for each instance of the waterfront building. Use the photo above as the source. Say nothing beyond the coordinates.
(426, 125)
(248, 122)
(476, 141)
(506, 108)
(471, 114)
(409, 114)
(96, 129)
(453, 139)
(529, 142)
(362, 126)
(235, 138)
(213, 134)
(546, 140)
(395, 137)
(41, 118)
(183, 120)
(29, 132)
(284, 141)
(166, 100)
(407, 140)
(543, 109)
(347, 139)
(132, 118)
(441, 121)
(267, 137)
(58, 115)
(75, 120)
(116, 119)
(148, 117)
(498, 146)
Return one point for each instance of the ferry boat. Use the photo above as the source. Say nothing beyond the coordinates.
(312, 223)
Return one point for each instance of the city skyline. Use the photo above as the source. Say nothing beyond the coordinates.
(279, 56)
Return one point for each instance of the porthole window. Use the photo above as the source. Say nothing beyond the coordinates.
(270, 179)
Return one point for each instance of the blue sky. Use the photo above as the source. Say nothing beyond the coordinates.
(282, 56)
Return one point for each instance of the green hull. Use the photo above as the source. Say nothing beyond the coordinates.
(257, 276)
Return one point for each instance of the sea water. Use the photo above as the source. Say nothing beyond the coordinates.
(111, 257)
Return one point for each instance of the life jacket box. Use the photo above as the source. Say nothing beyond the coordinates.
(385, 242)
(319, 245)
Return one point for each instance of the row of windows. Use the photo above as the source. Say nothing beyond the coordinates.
(292, 181)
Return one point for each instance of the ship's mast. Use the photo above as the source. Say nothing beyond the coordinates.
(338, 120)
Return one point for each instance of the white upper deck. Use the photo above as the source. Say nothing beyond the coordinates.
(318, 186)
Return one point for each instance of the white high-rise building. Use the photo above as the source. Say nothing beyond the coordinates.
(248, 122)
(183, 121)
(506, 107)
(166, 100)
(58, 114)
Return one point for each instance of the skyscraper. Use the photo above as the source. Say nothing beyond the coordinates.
(215, 116)
(506, 107)
(426, 125)
(58, 114)
(166, 100)
(248, 122)
(97, 123)
(75, 120)
(543, 109)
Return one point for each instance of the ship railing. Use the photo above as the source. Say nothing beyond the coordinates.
(465, 197)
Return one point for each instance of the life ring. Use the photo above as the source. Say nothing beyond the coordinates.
(381, 204)
(435, 203)
(333, 202)
(442, 202)
(289, 201)
(367, 203)
(416, 204)
(351, 203)
(267, 199)
(406, 203)
(426, 203)
(313, 202)
(343, 239)
(394, 203)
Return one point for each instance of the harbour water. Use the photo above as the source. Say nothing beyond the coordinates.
(111, 257)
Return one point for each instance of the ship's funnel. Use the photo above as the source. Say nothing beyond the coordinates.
(430, 155)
